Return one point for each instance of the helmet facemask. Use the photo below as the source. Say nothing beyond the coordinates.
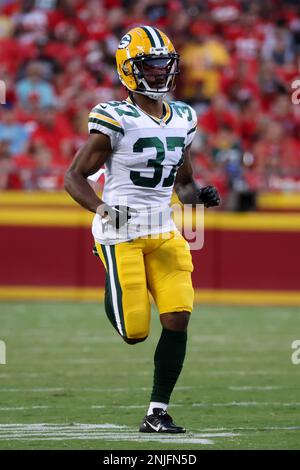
(154, 73)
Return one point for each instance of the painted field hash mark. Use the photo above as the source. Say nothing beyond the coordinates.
(103, 432)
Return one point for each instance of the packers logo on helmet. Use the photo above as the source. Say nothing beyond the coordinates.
(147, 62)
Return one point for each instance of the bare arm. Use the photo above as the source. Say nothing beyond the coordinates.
(185, 186)
(87, 161)
(187, 189)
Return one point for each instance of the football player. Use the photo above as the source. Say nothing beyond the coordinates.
(144, 143)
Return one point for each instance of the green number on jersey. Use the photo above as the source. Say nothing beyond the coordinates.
(116, 104)
(155, 142)
(172, 143)
(182, 109)
(139, 146)
(132, 113)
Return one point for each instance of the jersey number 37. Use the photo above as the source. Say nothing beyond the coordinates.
(155, 142)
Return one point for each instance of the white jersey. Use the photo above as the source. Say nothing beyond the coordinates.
(140, 173)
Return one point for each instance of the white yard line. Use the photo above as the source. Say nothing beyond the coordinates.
(114, 432)
(245, 372)
(258, 388)
(108, 432)
(246, 404)
(38, 407)
(175, 405)
(82, 389)
(75, 426)
(79, 427)
(118, 437)
(17, 408)
(39, 390)
(255, 429)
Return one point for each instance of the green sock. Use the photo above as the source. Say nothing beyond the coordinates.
(168, 362)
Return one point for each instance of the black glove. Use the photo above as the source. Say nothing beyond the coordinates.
(209, 196)
(116, 215)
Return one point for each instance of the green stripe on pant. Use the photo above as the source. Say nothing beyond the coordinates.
(118, 287)
(113, 291)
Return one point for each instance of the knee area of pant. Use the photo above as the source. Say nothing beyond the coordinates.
(134, 340)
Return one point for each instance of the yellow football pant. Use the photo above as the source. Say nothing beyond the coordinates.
(161, 266)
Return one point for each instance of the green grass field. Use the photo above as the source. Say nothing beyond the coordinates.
(70, 382)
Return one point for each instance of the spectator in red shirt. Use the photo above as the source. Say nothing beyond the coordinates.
(239, 81)
(54, 132)
(251, 119)
(218, 115)
(276, 153)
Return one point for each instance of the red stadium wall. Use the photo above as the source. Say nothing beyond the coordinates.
(248, 258)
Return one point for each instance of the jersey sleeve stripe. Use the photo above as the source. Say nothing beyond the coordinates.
(100, 122)
(192, 130)
(101, 111)
(105, 118)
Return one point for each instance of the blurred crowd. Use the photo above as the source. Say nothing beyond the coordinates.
(239, 63)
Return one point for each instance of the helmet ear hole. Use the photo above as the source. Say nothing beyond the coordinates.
(125, 69)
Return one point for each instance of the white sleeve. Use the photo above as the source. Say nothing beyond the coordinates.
(102, 119)
(95, 176)
(192, 127)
